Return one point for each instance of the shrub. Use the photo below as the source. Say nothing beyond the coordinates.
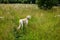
(45, 4)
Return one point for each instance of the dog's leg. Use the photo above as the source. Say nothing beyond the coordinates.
(19, 27)
(26, 22)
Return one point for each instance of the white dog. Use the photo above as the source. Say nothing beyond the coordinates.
(23, 21)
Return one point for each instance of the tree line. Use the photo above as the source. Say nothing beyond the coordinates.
(18, 1)
(44, 4)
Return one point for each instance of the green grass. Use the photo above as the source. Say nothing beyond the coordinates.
(42, 26)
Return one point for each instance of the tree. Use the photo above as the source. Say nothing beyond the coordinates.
(55, 2)
(3, 1)
(12, 1)
(0, 1)
(19, 1)
(33, 1)
(45, 4)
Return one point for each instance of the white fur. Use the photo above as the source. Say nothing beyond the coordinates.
(24, 21)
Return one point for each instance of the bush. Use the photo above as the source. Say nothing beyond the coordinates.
(55, 2)
(45, 4)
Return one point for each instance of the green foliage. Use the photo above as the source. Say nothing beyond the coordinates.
(18, 1)
(47, 4)
(12, 1)
(55, 2)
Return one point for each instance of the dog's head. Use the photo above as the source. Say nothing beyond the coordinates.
(28, 17)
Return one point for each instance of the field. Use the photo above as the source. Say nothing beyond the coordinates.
(43, 24)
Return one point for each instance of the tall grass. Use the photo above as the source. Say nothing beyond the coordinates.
(42, 26)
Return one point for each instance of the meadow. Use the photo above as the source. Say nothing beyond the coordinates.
(43, 24)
